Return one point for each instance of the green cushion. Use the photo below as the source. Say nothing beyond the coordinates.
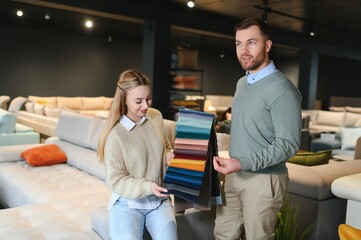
(311, 158)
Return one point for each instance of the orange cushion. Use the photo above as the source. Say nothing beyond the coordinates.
(46, 155)
(346, 232)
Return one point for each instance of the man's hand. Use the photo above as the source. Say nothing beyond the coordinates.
(226, 165)
(157, 190)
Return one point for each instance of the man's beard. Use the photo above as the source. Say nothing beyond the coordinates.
(253, 65)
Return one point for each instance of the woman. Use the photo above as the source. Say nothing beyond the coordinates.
(135, 151)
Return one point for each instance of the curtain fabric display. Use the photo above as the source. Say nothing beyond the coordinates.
(190, 176)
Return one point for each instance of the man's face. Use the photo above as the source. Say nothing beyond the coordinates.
(252, 49)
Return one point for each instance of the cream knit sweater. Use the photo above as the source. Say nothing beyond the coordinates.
(133, 159)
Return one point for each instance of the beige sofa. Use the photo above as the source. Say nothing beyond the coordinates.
(42, 113)
(321, 120)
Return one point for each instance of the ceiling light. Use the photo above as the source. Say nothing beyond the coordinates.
(47, 16)
(312, 33)
(89, 23)
(190, 3)
(19, 13)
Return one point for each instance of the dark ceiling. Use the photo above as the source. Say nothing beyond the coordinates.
(334, 22)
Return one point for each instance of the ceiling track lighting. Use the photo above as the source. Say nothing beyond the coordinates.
(268, 10)
(191, 3)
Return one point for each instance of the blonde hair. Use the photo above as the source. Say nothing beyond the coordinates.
(128, 80)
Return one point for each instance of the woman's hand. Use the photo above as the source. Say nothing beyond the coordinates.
(158, 190)
(169, 157)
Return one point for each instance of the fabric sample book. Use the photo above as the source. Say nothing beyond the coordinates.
(190, 176)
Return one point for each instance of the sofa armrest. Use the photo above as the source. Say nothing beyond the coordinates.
(358, 149)
(348, 187)
(12, 153)
(19, 138)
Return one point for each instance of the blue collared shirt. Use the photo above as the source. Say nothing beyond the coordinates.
(255, 77)
(150, 202)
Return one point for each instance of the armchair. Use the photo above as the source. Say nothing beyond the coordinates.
(12, 133)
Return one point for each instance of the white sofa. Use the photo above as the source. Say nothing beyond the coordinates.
(68, 201)
(42, 113)
(349, 187)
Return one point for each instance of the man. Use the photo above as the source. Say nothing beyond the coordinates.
(266, 128)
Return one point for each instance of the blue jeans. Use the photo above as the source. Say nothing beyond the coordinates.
(126, 223)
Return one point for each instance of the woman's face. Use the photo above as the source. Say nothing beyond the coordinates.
(138, 100)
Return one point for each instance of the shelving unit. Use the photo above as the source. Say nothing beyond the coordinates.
(185, 83)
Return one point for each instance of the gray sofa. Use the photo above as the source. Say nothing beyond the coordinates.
(68, 201)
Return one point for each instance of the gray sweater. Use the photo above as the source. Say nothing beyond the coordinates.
(266, 123)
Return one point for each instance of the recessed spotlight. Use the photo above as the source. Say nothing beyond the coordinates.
(47, 16)
(89, 23)
(19, 13)
(190, 4)
(312, 33)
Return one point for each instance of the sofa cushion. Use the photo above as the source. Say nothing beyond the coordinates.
(29, 107)
(39, 108)
(74, 103)
(81, 158)
(12, 153)
(311, 158)
(7, 121)
(51, 111)
(76, 128)
(96, 135)
(93, 103)
(349, 137)
(330, 118)
(52, 101)
(22, 184)
(353, 109)
(351, 118)
(67, 219)
(45, 155)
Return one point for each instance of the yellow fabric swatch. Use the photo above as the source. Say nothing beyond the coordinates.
(196, 165)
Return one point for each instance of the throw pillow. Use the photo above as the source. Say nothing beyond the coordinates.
(39, 108)
(337, 109)
(187, 58)
(311, 158)
(52, 111)
(349, 137)
(353, 109)
(45, 155)
(29, 107)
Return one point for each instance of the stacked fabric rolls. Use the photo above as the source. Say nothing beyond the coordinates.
(189, 174)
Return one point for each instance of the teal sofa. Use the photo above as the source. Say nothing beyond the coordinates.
(13, 133)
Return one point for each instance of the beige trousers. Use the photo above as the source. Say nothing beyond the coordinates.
(252, 201)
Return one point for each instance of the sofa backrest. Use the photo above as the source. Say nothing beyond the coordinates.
(74, 103)
(77, 129)
(77, 135)
(7, 121)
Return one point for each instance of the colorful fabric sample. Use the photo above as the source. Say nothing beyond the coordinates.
(190, 176)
